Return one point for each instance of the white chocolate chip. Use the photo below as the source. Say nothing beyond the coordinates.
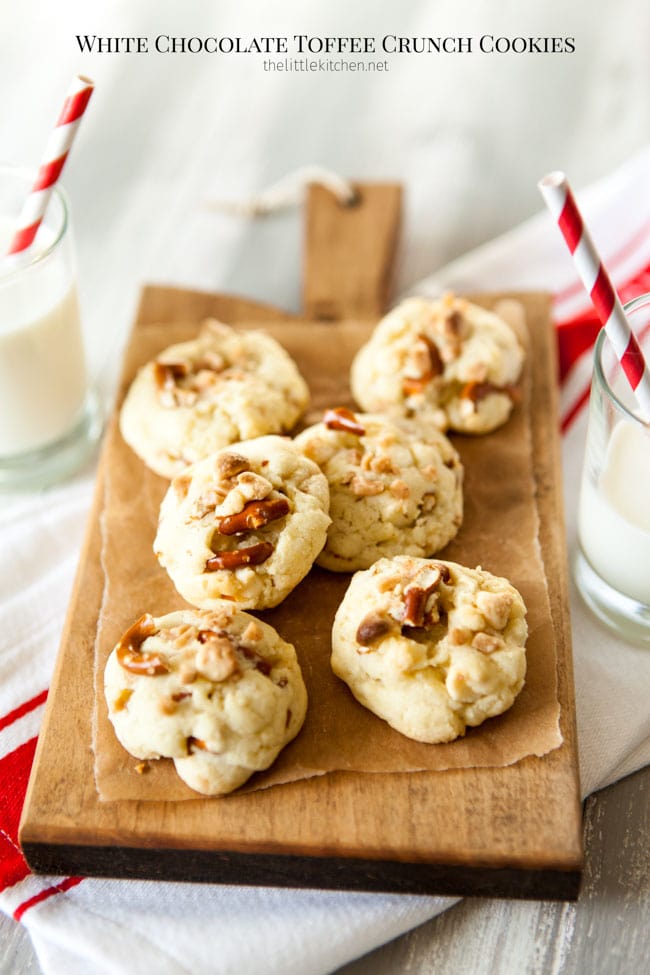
(215, 658)
(495, 607)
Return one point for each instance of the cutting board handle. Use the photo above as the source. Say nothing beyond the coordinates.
(349, 251)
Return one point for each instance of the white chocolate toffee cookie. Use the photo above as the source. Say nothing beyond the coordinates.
(220, 693)
(448, 359)
(200, 396)
(431, 646)
(244, 524)
(395, 487)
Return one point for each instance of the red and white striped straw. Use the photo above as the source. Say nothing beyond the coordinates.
(560, 200)
(56, 153)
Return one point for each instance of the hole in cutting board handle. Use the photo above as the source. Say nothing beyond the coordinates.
(355, 200)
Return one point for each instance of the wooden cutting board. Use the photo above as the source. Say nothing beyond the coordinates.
(513, 831)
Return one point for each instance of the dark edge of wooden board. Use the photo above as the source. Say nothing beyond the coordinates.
(321, 873)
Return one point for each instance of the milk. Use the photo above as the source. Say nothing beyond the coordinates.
(42, 368)
(614, 515)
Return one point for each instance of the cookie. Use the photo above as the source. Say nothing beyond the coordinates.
(220, 693)
(449, 360)
(395, 487)
(200, 396)
(243, 525)
(431, 646)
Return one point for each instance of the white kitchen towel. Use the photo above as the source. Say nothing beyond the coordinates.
(90, 925)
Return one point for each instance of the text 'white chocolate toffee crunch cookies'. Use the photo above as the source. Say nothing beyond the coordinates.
(449, 359)
(200, 396)
(220, 693)
(244, 524)
(431, 646)
(395, 487)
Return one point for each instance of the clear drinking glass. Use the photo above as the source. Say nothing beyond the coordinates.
(612, 567)
(49, 417)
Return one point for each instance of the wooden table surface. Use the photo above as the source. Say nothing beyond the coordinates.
(605, 933)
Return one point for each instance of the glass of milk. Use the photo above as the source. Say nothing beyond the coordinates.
(612, 567)
(49, 417)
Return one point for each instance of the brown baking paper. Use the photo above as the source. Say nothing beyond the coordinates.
(499, 532)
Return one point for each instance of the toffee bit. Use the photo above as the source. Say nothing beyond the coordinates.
(384, 465)
(215, 618)
(413, 387)
(459, 635)
(400, 489)
(122, 699)
(167, 706)
(364, 487)
(141, 767)
(487, 642)
(180, 635)
(187, 674)
(388, 583)
(495, 607)
(215, 658)
(343, 419)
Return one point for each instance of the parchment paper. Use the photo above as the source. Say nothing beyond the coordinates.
(499, 532)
